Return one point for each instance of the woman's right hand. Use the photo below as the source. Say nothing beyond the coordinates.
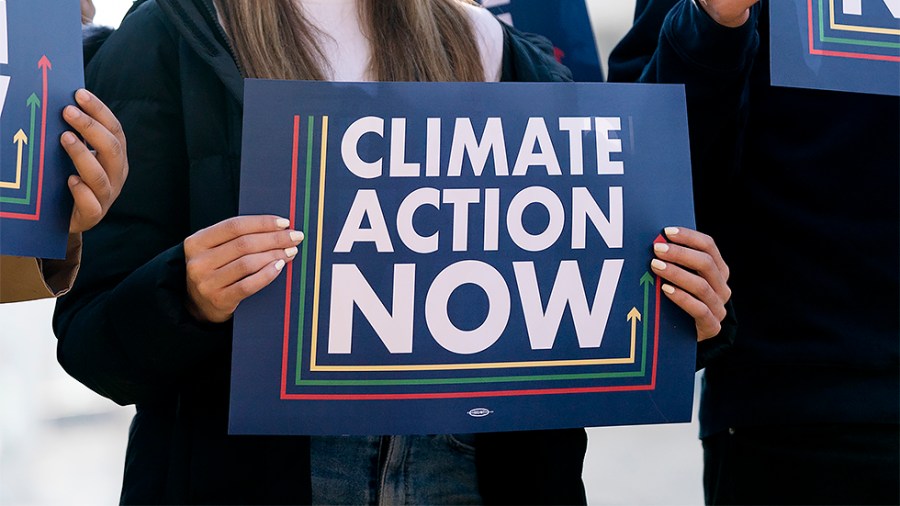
(234, 259)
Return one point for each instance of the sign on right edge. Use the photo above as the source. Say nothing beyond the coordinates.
(841, 45)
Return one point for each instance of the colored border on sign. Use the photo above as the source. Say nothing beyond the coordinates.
(840, 54)
(299, 381)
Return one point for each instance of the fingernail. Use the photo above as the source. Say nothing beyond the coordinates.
(669, 289)
(658, 264)
(72, 112)
(670, 231)
(291, 252)
(83, 95)
(68, 138)
(660, 247)
(279, 265)
(282, 223)
(74, 181)
(297, 236)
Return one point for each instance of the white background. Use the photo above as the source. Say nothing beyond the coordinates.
(61, 444)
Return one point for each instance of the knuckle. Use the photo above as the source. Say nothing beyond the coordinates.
(244, 289)
(720, 313)
(218, 301)
(244, 265)
(707, 293)
(117, 148)
(193, 273)
(243, 244)
(716, 328)
(726, 293)
(708, 263)
(115, 128)
(726, 271)
(93, 214)
(706, 241)
(89, 122)
(232, 226)
(190, 247)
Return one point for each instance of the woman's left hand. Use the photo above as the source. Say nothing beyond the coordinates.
(696, 275)
(101, 173)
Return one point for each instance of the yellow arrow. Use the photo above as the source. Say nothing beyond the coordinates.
(20, 139)
(634, 316)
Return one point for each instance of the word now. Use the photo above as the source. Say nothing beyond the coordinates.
(395, 329)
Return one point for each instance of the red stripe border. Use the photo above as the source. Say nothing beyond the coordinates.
(436, 395)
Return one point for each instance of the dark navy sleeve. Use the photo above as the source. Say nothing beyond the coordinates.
(677, 42)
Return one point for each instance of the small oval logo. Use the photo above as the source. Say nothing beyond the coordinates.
(479, 412)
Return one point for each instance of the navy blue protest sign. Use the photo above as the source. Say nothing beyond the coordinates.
(40, 68)
(841, 45)
(476, 258)
(566, 23)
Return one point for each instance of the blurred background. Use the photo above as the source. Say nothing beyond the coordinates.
(61, 444)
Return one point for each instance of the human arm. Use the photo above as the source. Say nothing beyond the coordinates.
(676, 41)
(101, 174)
(129, 329)
(123, 330)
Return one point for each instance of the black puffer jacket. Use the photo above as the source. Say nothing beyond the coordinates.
(815, 175)
(170, 77)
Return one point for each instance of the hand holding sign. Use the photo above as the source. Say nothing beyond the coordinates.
(692, 263)
(101, 174)
(730, 13)
(234, 259)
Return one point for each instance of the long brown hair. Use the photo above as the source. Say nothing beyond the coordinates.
(412, 40)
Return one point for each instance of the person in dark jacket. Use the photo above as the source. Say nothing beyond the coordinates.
(804, 408)
(101, 175)
(149, 319)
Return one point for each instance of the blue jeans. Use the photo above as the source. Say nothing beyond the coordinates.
(394, 470)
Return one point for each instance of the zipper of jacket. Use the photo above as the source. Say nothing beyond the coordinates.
(214, 15)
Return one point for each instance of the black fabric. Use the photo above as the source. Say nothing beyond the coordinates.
(531, 467)
(839, 464)
(171, 79)
(92, 37)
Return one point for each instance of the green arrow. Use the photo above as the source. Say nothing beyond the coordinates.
(33, 102)
(646, 282)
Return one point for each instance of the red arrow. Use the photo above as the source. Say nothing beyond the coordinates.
(44, 65)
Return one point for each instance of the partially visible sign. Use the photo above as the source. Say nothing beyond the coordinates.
(841, 45)
(566, 23)
(476, 258)
(40, 69)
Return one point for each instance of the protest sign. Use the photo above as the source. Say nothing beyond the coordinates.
(566, 23)
(840, 45)
(41, 66)
(476, 258)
